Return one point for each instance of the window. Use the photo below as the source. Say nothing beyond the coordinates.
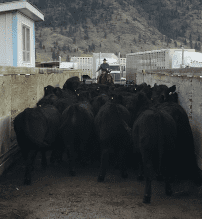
(26, 43)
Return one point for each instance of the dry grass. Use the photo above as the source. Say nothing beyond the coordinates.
(137, 23)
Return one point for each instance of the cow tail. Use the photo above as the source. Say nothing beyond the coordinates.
(125, 125)
(28, 134)
(74, 116)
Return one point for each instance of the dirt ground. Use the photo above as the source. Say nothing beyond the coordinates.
(55, 194)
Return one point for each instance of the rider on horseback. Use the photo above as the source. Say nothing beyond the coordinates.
(103, 66)
(105, 77)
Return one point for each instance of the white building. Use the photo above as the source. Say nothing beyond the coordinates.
(84, 63)
(17, 33)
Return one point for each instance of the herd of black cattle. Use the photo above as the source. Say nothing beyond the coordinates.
(106, 122)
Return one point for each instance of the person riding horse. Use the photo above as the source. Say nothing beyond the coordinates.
(104, 76)
(103, 66)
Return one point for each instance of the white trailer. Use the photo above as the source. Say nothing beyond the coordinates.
(153, 60)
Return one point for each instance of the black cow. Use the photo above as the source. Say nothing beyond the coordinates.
(63, 103)
(72, 83)
(98, 101)
(77, 131)
(50, 99)
(144, 88)
(64, 93)
(154, 135)
(161, 94)
(187, 165)
(60, 93)
(103, 88)
(114, 135)
(48, 90)
(36, 130)
(58, 97)
(136, 104)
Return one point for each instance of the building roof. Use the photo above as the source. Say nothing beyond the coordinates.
(161, 50)
(141, 53)
(24, 7)
(105, 55)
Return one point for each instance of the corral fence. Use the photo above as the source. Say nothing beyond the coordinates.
(189, 88)
(22, 87)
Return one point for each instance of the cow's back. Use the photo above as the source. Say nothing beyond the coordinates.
(37, 127)
(112, 121)
(53, 121)
(77, 120)
(154, 135)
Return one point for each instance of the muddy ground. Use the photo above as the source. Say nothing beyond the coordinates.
(55, 194)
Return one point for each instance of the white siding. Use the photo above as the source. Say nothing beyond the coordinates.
(23, 20)
(6, 55)
(9, 46)
(3, 39)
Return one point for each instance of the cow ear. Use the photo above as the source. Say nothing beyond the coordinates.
(175, 97)
(172, 89)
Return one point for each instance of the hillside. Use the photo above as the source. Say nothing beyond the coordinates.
(79, 28)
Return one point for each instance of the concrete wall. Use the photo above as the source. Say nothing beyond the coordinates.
(189, 89)
(22, 87)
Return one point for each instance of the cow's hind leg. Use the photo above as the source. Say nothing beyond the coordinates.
(140, 176)
(104, 161)
(168, 189)
(123, 168)
(147, 191)
(148, 175)
(84, 157)
(72, 158)
(58, 150)
(29, 166)
(43, 159)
